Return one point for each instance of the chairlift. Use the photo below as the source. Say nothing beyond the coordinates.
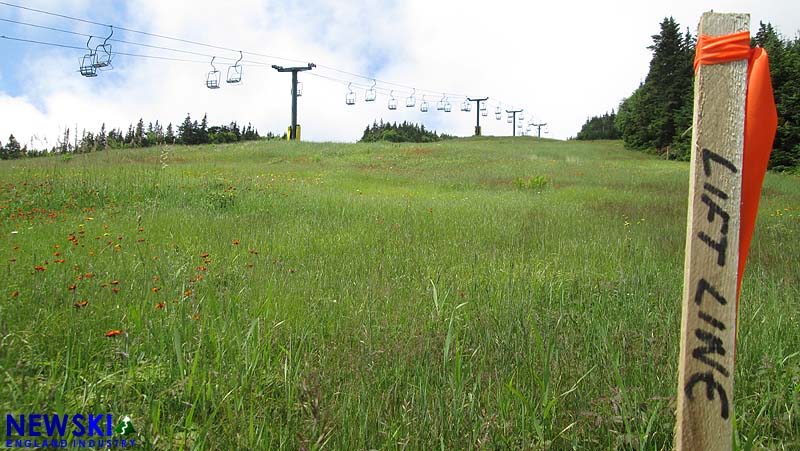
(213, 77)
(509, 120)
(299, 89)
(350, 99)
(484, 112)
(87, 67)
(447, 107)
(411, 100)
(498, 114)
(423, 106)
(235, 71)
(103, 59)
(466, 106)
(440, 103)
(521, 116)
(519, 124)
(371, 94)
(484, 107)
(392, 101)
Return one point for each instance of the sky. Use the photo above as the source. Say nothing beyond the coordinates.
(560, 62)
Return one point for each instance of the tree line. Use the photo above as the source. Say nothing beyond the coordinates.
(657, 116)
(405, 132)
(189, 132)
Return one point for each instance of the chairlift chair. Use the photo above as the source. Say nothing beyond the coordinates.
(87, 67)
(509, 120)
(423, 106)
(447, 107)
(392, 101)
(521, 116)
(466, 106)
(498, 114)
(411, 100)
(484, 112)
(440, 103)
(102, 53)
(371, 94)
(299, 89)
(235, 71)
(519, 124)
(213, 77)
(350, 99)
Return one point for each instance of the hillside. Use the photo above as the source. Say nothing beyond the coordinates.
(482, 293)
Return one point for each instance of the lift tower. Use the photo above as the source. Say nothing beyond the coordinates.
(478, 113)
(293, 131)
(514, 124)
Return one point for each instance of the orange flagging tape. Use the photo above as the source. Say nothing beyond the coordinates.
(760, 124)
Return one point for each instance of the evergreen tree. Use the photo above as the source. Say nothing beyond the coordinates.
(139, 134)
(102, 141)
(599, 127)
(169, 138)
(202, 131)
(12, 149)
(784, 62)
(658, 113)
(186, 131)
(130, 137)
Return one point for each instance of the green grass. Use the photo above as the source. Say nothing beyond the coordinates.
(473, 294)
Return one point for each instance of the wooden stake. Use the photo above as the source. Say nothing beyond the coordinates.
(708, 322)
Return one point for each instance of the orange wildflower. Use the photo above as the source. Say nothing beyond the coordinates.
(40, 268)
(204, 255)
(88, 275)
(160, 305)
(115, 282)
(113, 333)
(15, 294)
(72, 287)
(187, 293)
(201, 268)
(56, 254)
(155, 289)
(80, 304)
(115, 290)
(208, 260)
(196, 317)
(60, 260)
(235, 242)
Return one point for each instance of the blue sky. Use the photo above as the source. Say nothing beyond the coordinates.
(560, 61)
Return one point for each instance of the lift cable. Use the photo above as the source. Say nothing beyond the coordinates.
(188, 41)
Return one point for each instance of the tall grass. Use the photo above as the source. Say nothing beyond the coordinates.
(378, 296)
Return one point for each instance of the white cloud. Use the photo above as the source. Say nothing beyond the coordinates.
(562, 61)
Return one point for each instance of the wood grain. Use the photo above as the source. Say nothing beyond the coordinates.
(708, 321)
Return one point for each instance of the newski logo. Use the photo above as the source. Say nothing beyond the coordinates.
(86, 431)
